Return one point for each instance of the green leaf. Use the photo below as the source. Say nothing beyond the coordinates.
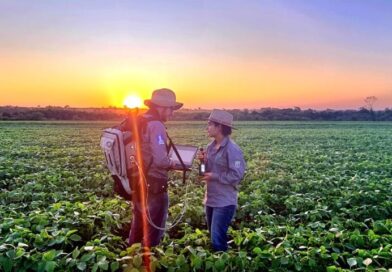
(81, 266)
(191, 250)
(180, 260)
(50, 266)
(114, 266)
(209, 265)
(196, 262)
(75, 253)
(331, 268)
(6, 264)
(153, 265)
(312, 262)
(69, 233)
(102, 263)
(137, 261)
(75, 237)
(11, 254)
(284, 260)
(352, 262)
(335, 249)
(49, 255)
(257, 250)
(41, 266)
(298, 266)
(220, 265)
(335, 256)
(20, 252)
(87, 257)
(22, 245)
(242, 254)
(3, 247)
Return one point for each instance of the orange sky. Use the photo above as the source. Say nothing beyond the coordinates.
(236, 66)
(31, 79)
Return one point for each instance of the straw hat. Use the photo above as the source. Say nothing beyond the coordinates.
(221, 117)
(163, 98)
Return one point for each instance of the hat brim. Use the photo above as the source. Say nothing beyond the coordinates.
(218, 122)
(150, 104)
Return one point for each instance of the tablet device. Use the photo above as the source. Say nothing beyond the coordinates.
(187, 154)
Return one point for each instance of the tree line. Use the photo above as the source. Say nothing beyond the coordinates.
(265, 114)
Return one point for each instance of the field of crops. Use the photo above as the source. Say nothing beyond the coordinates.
(316, 197)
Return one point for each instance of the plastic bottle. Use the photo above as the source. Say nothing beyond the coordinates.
(202, 165)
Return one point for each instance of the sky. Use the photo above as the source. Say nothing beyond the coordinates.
(213, 54)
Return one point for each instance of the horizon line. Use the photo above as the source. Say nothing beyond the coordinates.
(191, 109)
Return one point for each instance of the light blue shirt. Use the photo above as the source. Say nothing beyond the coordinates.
(227, 166)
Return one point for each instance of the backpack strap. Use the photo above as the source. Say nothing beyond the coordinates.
(171, 144)
(142, 122)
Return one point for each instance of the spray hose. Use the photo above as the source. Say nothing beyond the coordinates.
(178, 219)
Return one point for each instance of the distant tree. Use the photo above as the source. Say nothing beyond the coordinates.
(60, 113)
(7, 115)
(297, 109)
(369, 101)
(34, 115)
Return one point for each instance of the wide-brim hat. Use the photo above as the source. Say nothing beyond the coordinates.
(222, 117)
(163, 98)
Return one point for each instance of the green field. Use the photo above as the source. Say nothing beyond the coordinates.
(316, 197)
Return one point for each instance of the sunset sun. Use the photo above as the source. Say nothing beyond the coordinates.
(133, 101)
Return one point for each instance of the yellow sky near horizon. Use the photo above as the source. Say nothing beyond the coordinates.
(34, 78)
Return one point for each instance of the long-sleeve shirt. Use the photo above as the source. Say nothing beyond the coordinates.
(154, 151)
(227, 166)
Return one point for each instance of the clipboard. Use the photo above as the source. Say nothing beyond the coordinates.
(187, 154)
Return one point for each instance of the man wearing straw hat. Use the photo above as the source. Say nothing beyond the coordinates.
(151, 202)
(225, 168)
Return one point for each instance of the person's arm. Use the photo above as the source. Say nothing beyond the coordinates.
(158, 140)
(235, 168)
(206, 159)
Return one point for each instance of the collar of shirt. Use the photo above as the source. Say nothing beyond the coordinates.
(223, 143)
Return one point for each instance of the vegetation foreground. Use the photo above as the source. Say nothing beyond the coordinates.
(316, 197)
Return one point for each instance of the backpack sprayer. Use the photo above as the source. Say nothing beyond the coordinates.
(121, 147)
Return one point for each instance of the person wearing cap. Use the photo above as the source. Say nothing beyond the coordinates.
(225, 168)
(156, 164)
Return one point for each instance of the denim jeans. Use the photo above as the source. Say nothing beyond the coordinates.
(218, 221)
(158, 205)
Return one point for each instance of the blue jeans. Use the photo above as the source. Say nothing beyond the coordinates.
(158, 205)
(218, 221)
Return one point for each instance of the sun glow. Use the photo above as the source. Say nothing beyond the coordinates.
(133, 101)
